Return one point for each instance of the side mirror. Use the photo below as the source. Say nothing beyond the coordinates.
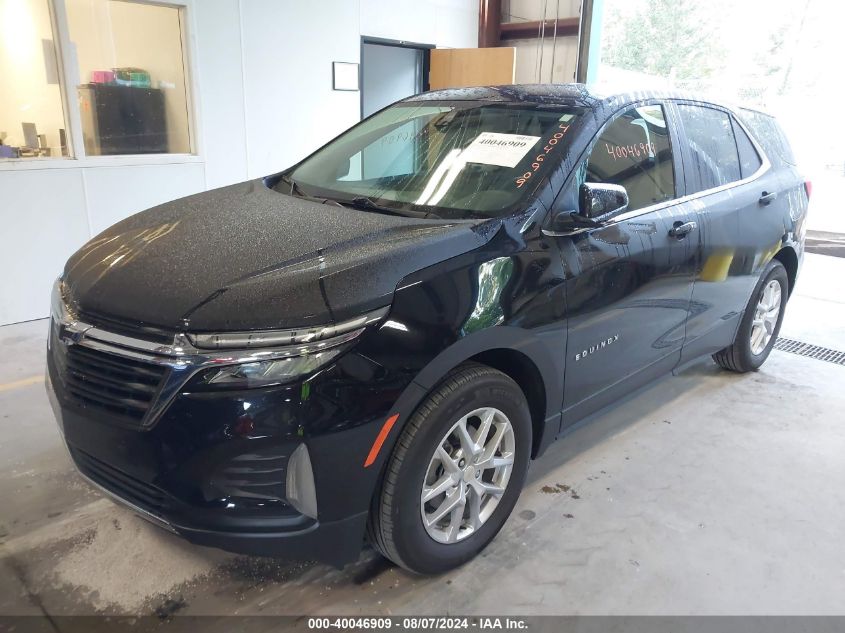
(597, 203)
(600, 202)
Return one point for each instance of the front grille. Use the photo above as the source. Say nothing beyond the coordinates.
(116, 385)
(137, 492)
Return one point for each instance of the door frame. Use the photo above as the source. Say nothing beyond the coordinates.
(380, 41)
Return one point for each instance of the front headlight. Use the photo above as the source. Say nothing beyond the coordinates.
(58, 307)
(274, 357)
(283, 338)
(269, 372)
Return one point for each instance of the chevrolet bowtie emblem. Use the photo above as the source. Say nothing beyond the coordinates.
(598, 346)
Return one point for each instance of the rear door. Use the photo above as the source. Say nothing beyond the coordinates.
(730, 185)
(629, 281)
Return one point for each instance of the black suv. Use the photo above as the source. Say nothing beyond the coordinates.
(375, 342)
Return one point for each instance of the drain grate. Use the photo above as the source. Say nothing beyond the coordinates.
(810, 351)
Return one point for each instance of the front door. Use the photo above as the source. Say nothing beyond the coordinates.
(629, 281)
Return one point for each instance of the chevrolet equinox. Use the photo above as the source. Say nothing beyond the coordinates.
(374, 343)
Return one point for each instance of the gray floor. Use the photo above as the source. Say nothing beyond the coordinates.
(710, 493)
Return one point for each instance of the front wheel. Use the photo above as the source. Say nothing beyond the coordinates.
(456, 472)
(760, 324)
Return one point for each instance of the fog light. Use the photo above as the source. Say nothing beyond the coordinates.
(301, 492)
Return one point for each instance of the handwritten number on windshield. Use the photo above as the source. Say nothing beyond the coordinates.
(541, 157)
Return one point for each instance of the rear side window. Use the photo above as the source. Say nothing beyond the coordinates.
(769, 134)
(712, 148)
(749, 159)
(634, 151)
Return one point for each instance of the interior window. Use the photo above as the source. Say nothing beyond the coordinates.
(32, 124)
(712, 147)
(132, 94)
(749, 160)
(634, 151)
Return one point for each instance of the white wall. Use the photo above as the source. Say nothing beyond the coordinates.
(218, 68)
(263, 100)
(446, 23)
(288, 56)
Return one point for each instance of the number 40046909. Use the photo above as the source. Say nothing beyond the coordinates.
(551, 143)
(634, 150)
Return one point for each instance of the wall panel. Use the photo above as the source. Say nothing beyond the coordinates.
(44, 222)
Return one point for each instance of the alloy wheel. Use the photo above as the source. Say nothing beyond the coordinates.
(765, 317)
(467, 475)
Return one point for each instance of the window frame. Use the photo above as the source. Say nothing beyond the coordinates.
(68, 75)
(677, 136)
(670, 114)
(688, 157)
(597, 139)
(736, 126)
(735, 119)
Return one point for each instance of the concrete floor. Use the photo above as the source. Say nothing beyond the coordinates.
(710, 493)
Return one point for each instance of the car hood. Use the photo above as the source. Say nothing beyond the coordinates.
(247, 257)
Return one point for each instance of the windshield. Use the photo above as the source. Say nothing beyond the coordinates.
(457, 159)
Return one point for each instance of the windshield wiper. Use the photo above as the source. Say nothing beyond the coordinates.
(365, 202)
(296, 190)
(368, 204)
(359, 202)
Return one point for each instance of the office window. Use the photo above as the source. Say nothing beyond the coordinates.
(131, 82)
(634, 151)
(32, 123)
(715, 160)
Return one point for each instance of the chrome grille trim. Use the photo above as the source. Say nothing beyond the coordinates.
(182, 357)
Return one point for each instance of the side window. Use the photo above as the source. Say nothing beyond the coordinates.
(712, 147)
(634, 151)
(769, 134)
(749, 159)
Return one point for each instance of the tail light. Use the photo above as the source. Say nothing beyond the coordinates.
(808, 187)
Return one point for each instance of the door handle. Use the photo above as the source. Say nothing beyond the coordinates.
(682, 229)
(767, 197)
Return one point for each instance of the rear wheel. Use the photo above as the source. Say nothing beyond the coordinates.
(760, 324)
(456, 472)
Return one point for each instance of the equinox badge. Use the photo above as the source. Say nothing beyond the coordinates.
(594, 348)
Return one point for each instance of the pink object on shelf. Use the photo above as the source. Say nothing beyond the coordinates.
(102, 77)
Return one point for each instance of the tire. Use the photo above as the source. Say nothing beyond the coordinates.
(741, 356)
(396, 526)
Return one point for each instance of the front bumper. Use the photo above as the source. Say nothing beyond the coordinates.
(334, 542)
(212, 466)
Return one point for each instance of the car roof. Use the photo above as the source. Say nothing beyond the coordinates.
(593, 96)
